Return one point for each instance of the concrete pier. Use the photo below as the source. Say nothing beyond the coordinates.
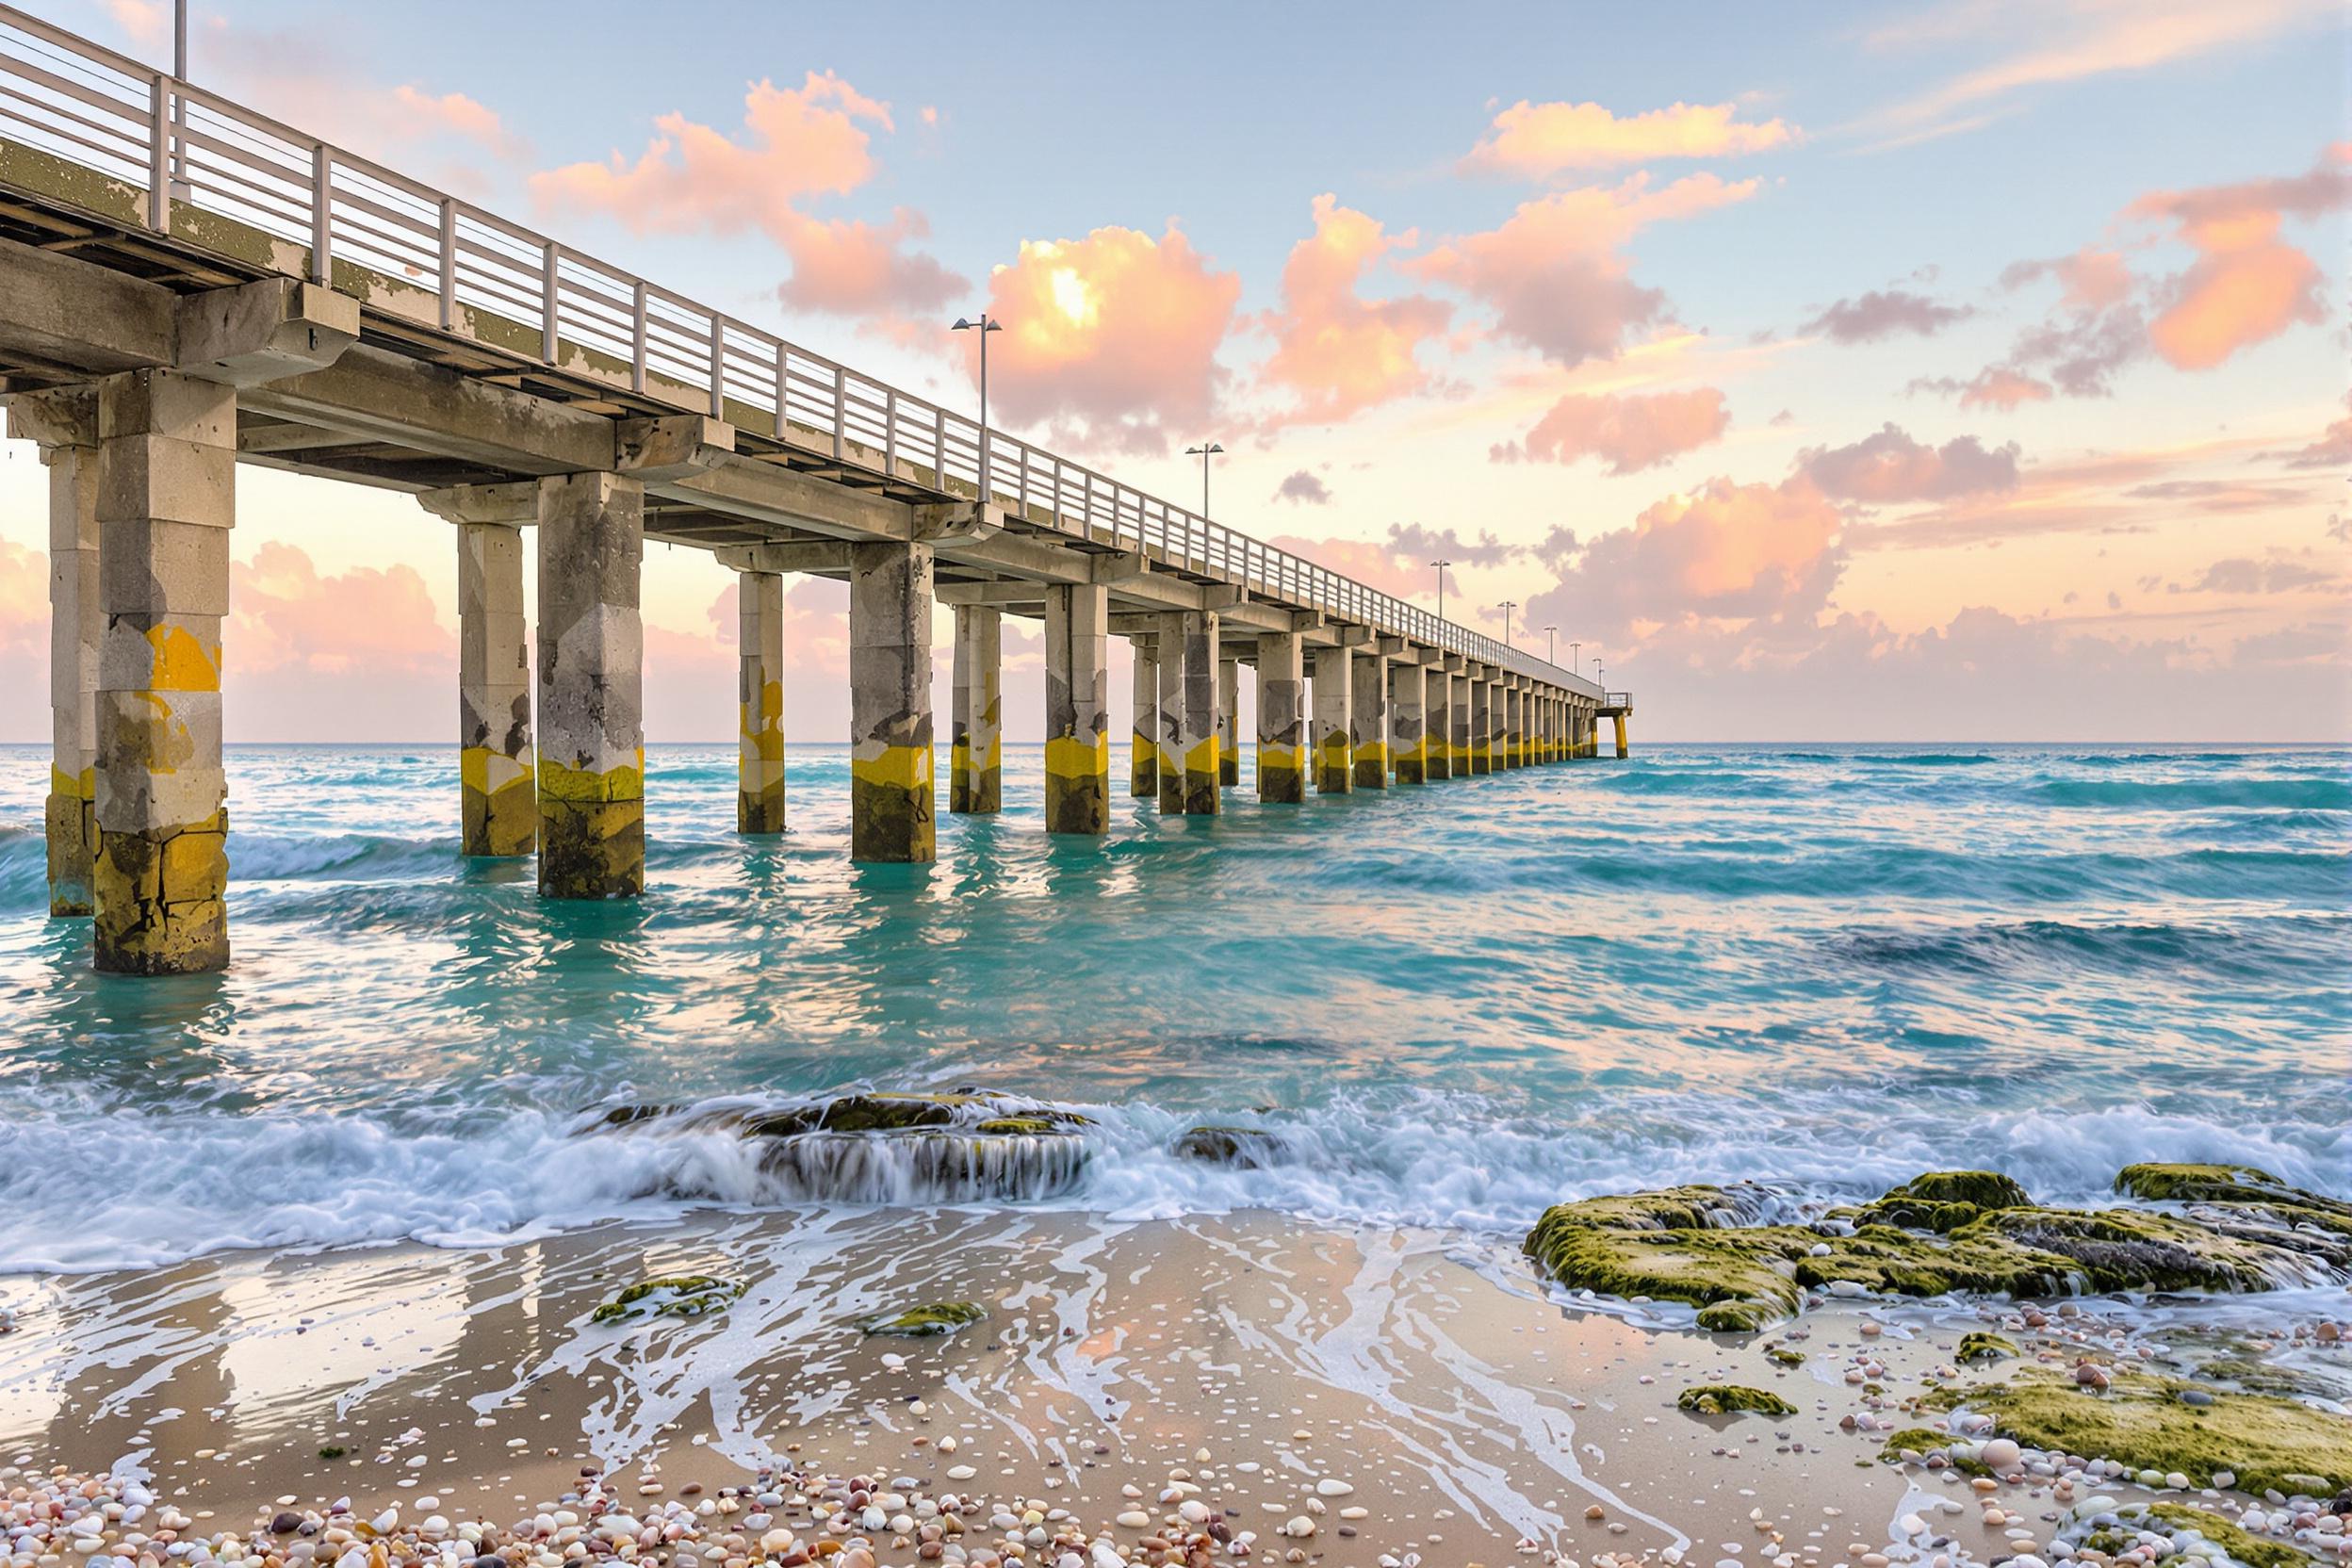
(891, 800)
(1407, 749)
(1514, 748)
(1143, 760)
(1199, 731)
(1437, 725)
(497, 764)
(592, 737)
(975, 750)
(1370, 725)
(1228, 725)
(1334, 715)
(167, 499)
(1623, 751)
(759, 703)
(1171, 666)
(1077, 709)
(65, 424)
(1458, 720)
(1281, 720)
(1481, 724)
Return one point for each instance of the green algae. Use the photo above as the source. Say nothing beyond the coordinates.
(1984, 1346)
(1942, 1201)
(1732, 1399)
(2243, 1545)
(2242, 1199)
(934, 1318)
(672, 1296)
(1780, 1355)
(1234, 1146)
(989, 1114)
(2141, 1423)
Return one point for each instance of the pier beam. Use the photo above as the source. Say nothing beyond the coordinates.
(892, 798)
(1228, 727)
(1143, 761)
(1408, 753)
(1370, 725)
(1335, 711)
(1077, 709)
(166, 500)
(975, 750)
(592, 734)
(1482, 726)
(1282, 714)
(1171, 667)
(1200, 731)
(65, 423)
(759, 703)
(1437, 751)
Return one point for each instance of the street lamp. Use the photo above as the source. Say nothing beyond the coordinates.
(1204, 454)
(1441, 566)
(1575, 652)
(983, 326)
(1507, 607)
(1549, 649)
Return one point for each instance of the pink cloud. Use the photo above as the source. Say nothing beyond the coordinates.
(2332, 450)
(284, 613)
(1890, 468)
(1877, 313)
(1303, 488)
(1335, 353)
(2091, 279)
(1629, 433)
(1725, 551)
(1537, 140)
(2247, 285)
(459, 115)
(1374, 565)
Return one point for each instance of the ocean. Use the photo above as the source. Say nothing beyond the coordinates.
(1820, 968)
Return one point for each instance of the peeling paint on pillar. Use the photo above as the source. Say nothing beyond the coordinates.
(1335, 713)
(592, 734)
(1171, 715)
(759, 703)
(167, 499)
(976, 751)
(1406, 751)
(1481, 727)
(1369, 726)
(891, 794)
(498, 806)
(1077, 709)
(1437, 751)
(77, 625)
(1200, 732)
(1228, 730)
(1143, 760)
(1281, 720)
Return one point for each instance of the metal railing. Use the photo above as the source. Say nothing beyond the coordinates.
(169, 154)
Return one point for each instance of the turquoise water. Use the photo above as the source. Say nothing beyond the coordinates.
(1827, 969)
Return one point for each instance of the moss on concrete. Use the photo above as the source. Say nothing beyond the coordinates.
(1732, 1399)
(935, 1317)
(672, 1296)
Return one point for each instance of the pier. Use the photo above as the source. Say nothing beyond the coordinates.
(186, 285)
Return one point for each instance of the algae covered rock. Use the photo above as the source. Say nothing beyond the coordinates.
(2186, 1526)
(1732, 1399)
(2242, 1201)
(1243, 1147)
(1985, 1346)
(1943, 1201)
(672, 1296)
(998, 1114)
(930, 1320)
(2141, 1423)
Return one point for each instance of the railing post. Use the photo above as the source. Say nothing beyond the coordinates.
(1021, 493)
(637, 338)
(783, 384)
(890, 433)
(718, 366)
(159, 152)
(938, 445)
(321, 214)
(547, 317)
(841, 410)
(449, 264)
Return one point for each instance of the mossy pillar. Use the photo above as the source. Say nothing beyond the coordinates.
(1437, 751)
(65, 423)
(1202, 733)
(1228, 725)
(1281, 720)
(592, 729)
(1335, 713)
(1369, 720)
(1077, 709)
(759, 703)
(1482, 726)
(166, 500)
(890, 792)
(975, 750)
(1143, 761)
(1407, 750)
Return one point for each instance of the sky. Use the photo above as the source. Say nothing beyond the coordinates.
(1970, 370)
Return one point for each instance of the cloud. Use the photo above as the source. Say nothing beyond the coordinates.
(2244, 574)
(1304, 488)
(462, 116)
(2090, 279)
(795, 144)
(1554, 273)
(2247, 285)
(1113, 338)
(1413, 542)
(2218, 494)
(2080, 355)
(1629, 432)
(1370, 562)
(1724, 551)
(1891, 467)
(1881, 314)
(147, 23)
(1336, 353)
(1991, 387)
(283, 613)
(2332, 450)
(1538, 140)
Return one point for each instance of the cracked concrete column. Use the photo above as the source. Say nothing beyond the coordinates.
(975, 750)
(497, 806)
(167, 499)
(1171, 714)
(1335, 713)
(1077, 709)
(1437, 751)
(891, 795)
(759, 703)
(1369, 720)
(1482, 724)
(1143, 759)
(1282, 715)
(1407, 747)
(1228, 732)
(1199, 733)
(592, 730)
(65, 423)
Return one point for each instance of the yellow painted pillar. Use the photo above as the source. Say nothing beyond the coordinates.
(1482, 726)
(1437, 748)
(1228, 732)
(1406, 736)
(64, 422)
(892, 795)
(759, 704)
(1370, 737)
(1077, 709)
(1143, 760)
(592, 730)
(1171, 713)
(975, 750)
(1199, 734)
(1335, 713)
(1281, 720)
(1621, 751)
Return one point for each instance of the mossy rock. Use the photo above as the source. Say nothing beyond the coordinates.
(1943, 1201)
(2244, 1546)
(987, 1113)
(1732, 1399)
(1247, 1147)
(672, 1296)
(1984, 1346)
(1780, 1355)
(932, 1318)
(2141, 1423)
(2242, 1199)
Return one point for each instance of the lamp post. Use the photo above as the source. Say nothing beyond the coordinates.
(1441, 566)
(1575, 652)
(1204, 453)
(983, 326)
(1507, 607)
(1549, 648)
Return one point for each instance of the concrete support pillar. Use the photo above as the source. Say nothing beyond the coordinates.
(1143, 762)
(1547, 712)
(1482, 726)
(1228, 727)
(1281, 720)
(759, 703)
(1335, 713)
(1516, 725)
(496, 765)
(1369, 730)
(892, 799)
(65, 423)
(1171, 745)
(1458, 723)
(1077, 709)
(1407, 749)
(1623, 751)
(975, 748)
(1437, 726)
(1198, 732)
(592, 733)
(166, 500)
